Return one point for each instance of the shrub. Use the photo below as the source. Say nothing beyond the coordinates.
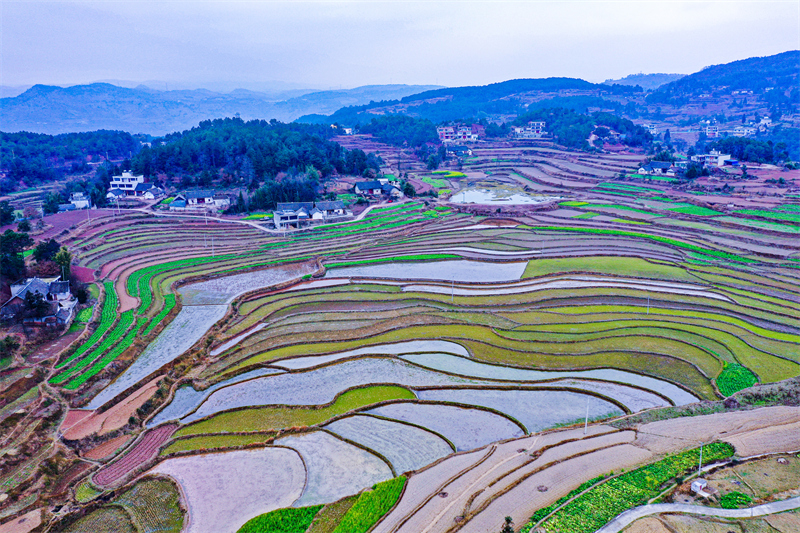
(735, 500)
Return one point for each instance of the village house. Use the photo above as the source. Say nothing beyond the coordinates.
(298, 213)
(127, 183)
(292, 214)
(369, 188)
(459, 151)
(153, 192)
(115, 194)
(657, 168)
(52, 290)
(198, 199)
(533, 130)
(713, 158)
(222, 201)
(459, 132)
(80, 200)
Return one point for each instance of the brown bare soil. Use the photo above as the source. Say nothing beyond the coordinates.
(779, 438)
(114, 418)
(785, 522)
(648, 525)
(23, 524)
(731, 427)
(108, 448)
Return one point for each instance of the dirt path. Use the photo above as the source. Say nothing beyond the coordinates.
(626, 518)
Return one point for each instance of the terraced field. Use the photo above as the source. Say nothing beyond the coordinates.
(485, 359)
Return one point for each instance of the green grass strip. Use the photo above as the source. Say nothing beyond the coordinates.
(287, 520)
(371, 506)
(592, 510)
(107, 317)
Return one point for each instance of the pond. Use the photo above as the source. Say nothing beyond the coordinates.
(499, 196)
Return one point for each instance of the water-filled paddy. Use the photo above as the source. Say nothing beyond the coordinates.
(406, 447)
(467, 429)
(335, 469)
(474, 271)
(498, 197)
(536, 410)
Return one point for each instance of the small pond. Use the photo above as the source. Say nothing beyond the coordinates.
(499, 196)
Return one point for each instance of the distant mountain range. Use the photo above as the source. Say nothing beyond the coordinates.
(53, 110)
(646, 81)
(780, 72)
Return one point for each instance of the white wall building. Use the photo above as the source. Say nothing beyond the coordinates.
(126, 183)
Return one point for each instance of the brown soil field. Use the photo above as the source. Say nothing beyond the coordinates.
(648, 525)
(23, 524)
(730, 426)
(108, 448)
(83, 274)
(114, 418)
(785, 522)
(63, 221)
(784, 437)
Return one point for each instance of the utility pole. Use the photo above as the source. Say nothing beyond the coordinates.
(586, 423)
(700, 465)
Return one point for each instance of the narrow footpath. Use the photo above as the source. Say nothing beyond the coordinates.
(628, 517)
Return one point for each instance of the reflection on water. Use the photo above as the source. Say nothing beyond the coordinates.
(498, 196)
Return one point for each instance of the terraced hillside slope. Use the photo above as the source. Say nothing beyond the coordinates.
(431, 366)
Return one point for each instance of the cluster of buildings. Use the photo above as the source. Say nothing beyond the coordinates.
(54, 291)
(666, 168)
(129, 185)
(378, 188)
(460, 133)
(297, 214)
(201, 199)
(533, 130)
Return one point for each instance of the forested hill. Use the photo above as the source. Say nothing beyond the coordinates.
(54, 110)
(779, 72)
(240, 151)
(508, 97)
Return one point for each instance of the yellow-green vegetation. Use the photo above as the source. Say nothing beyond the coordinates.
(85, 492)
(212, 442)
(275, 418)
(371, 506)
(289, 520)
(608, 265)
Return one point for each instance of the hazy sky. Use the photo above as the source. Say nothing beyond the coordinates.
(329, 44)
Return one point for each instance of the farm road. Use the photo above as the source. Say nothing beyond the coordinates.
(256, 224)
(626, 518)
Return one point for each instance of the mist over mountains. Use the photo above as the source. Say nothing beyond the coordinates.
(54, 110)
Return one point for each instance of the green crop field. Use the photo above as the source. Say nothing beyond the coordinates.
(274, 418)
(282, 521)
(371, 506)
